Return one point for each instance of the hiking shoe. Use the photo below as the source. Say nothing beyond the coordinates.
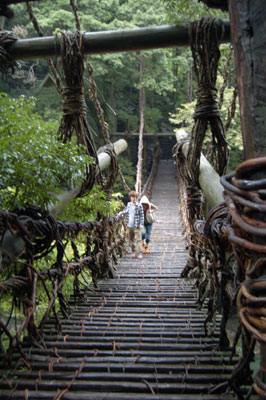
(140, 256)
(146, 250)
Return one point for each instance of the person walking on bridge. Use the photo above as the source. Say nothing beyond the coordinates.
(135, 222)
(149, 219)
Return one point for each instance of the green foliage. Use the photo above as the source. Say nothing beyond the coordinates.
(184, 116)
(158, 77)
(184, 11)
(34, 165)
(48, 103)
(89, 207)
(129, 173)
(152, 116)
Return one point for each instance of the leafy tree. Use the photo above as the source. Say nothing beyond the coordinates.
(88, 208)
(184, 11)
(34, 165)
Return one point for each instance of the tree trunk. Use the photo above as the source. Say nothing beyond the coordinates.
(248, 31)
(141, 124)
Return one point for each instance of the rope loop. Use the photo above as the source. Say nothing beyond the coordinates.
(73, 101)
(207, 104)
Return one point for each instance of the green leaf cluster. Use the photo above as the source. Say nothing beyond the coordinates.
(184, 11)
(34, 165)
(90, 207)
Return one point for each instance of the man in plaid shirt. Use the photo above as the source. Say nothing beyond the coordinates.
(134, 221)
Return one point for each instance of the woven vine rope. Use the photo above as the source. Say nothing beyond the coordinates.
(205, 37)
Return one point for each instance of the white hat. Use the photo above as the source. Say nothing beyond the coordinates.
(145, 200)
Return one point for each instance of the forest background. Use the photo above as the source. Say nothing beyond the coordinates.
(158, 84)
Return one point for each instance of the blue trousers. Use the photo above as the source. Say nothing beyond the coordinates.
(146, 232)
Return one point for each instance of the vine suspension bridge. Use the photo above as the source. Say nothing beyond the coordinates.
(138, 336)
(137, 331)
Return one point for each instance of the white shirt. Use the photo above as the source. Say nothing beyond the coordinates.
(131, 217)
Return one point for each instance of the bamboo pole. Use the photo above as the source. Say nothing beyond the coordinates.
(154, 37)
(209, 180)
(104, 160)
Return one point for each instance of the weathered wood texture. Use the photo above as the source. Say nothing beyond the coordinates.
(139, 336)
(248, 31)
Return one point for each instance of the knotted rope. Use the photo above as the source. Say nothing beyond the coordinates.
(74, 105)
(205, 37)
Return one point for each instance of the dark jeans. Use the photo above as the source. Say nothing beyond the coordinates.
(146, 232)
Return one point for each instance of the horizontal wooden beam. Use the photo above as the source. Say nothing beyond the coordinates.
(154, 37)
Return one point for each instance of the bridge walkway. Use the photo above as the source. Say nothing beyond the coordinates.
(139, 336)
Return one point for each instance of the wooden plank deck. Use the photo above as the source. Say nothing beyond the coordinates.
(137, 337)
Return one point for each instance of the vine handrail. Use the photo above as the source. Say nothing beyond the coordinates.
(33, 235)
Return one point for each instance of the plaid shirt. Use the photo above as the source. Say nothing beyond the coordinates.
(139, 214)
